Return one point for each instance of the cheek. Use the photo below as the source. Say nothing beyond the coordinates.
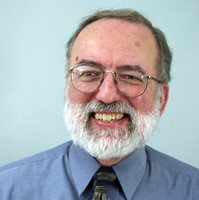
(77, 97)
(143, 104)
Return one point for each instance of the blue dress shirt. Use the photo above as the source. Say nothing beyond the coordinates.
(66, 172)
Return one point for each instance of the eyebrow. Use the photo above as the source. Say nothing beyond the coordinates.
(89, 63)
(122, 67)
(132, 67)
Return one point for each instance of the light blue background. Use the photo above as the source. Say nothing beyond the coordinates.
(32, 58)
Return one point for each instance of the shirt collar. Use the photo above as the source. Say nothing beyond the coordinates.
(83, 167)
(129, 171)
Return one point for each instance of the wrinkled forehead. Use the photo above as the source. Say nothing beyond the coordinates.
(111, 38)
(114, 27)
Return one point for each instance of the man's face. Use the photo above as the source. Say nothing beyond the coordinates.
(115, 43)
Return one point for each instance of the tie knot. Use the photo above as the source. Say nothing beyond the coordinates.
(103, 179)
(106, 176)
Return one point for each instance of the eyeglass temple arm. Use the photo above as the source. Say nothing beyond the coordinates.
(150, 77)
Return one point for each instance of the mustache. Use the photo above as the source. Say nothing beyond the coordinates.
(98, 106)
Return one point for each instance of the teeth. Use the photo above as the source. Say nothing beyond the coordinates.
(108, 117)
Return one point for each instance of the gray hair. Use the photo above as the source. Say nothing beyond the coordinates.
(165, 54)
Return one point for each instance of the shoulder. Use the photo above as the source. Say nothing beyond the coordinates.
(38, 176)
(170, 164)
(45, 156)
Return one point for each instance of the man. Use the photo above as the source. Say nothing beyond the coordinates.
(117, 88)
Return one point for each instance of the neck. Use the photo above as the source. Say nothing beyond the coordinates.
(111, 162)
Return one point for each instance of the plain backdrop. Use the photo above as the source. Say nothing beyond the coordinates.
(32, 58)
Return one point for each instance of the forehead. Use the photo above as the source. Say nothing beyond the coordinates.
(115, 41)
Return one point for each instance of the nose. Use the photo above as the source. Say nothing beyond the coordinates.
(108, 91)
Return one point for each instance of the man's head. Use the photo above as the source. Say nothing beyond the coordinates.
(118, 82)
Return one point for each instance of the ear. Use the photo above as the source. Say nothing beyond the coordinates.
(164, 97)
(65, 91)
(66, 88)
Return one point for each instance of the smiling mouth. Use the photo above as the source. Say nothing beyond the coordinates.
(108, 117)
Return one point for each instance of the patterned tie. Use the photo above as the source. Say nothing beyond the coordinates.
(103, 179)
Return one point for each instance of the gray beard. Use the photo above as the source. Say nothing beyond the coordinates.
(124, 140)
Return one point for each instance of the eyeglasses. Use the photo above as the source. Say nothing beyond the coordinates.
(130, 80)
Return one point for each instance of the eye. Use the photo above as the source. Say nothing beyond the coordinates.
(89, 76)
(88, 73)
(130, 79)
(128, 76)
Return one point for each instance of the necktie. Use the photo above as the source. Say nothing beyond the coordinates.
(102, 180)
